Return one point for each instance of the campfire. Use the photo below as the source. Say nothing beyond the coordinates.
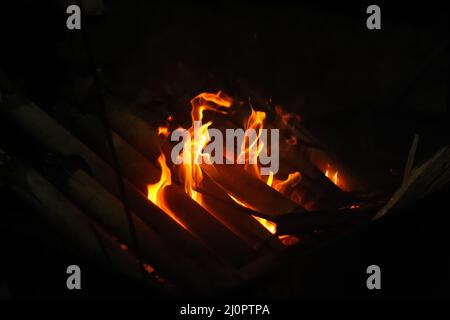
(201, 206)
(196, 167)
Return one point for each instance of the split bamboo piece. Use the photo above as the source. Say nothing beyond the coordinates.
(237, 218)
(250, 190)
(106, 208)
(38, 125)
(314, 184)
(139, 170)
(73, 225)
(135, 166)
(218, 237)
(134, 129)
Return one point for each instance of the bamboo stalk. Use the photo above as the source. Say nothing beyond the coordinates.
(236, 218)
(55, 138)
(142, 136)
(313, 181)
(140, 171)
(134, 165)
(47, 132)
(108, 210)
(320, 192)
(73, 225)
(250, 190)
(215, 235)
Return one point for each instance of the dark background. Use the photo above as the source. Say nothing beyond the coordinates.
(364, 93)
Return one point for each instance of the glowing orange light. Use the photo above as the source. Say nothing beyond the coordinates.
(163, 131)
(334, 177)
(269, 225)
(154, 191)
(250, 150)
(193, 151)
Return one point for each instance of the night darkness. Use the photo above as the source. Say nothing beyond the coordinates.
(363, 93)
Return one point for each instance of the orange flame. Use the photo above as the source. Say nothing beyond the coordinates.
(154, 191)
(163, 131)
(193, 151)
(292, 180)
(193, 154)
(249, 154)
(334, 177)
(269, 225)
(256, 122)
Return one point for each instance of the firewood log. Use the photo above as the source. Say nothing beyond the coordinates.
(55, 138)
(142, 136)
(52, 136)
(135, 166)
(218, 237)
(72, 224)
(319, 189)
(139, 170)
(108, 209)
(313, 180)
(248, 189)
(236, 217)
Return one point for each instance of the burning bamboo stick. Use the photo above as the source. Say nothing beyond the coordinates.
(108, 209)
(251, 191)
(141, 172)
(316, 187)
(47, 132)
(218, 203)
(219, 238)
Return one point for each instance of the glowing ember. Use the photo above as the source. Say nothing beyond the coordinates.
(289, 240)
(148, 268)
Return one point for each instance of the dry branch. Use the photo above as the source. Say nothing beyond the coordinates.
(424, 179)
